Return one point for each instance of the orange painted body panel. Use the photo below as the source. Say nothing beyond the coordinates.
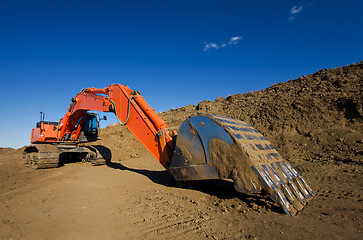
(46, 133)
(144, 127)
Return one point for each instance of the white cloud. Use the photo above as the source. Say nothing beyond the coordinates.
(232, 41)
(212, 45)
(294, 11)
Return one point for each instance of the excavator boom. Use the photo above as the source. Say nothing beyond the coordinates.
(205, 147)
(134, 112)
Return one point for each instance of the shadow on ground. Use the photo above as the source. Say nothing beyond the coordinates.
(221, 189)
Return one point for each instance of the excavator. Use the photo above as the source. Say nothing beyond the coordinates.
(205, 147)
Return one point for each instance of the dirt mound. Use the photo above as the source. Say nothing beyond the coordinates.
(121, 142)
(6, 150)
(319, 115)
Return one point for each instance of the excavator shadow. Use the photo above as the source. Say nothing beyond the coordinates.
(222, 189)
(159, 177)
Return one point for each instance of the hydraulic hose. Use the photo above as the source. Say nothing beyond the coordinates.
(128, 112)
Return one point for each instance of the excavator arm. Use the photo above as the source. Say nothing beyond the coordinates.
(134, 112)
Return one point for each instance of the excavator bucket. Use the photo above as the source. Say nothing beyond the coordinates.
(215, 147)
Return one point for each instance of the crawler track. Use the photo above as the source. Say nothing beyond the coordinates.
(41, 156)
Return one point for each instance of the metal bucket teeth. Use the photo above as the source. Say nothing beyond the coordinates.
(215, 147)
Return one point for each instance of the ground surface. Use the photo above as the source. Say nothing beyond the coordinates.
(315, 122)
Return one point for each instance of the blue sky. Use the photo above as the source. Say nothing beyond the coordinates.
(174, 52)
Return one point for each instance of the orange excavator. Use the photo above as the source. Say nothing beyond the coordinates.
(205, 147)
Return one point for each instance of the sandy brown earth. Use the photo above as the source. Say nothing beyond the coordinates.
(315, 122)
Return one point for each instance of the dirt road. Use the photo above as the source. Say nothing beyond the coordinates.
(137, 199)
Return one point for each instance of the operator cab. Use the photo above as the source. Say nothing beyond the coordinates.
(90, 128)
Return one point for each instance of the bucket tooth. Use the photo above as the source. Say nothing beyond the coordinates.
(281, 199)
(307, 191)
(216, 147)
(297, 193)
(311, 192)
(292, 199)
(298, 205)
(295, 178)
